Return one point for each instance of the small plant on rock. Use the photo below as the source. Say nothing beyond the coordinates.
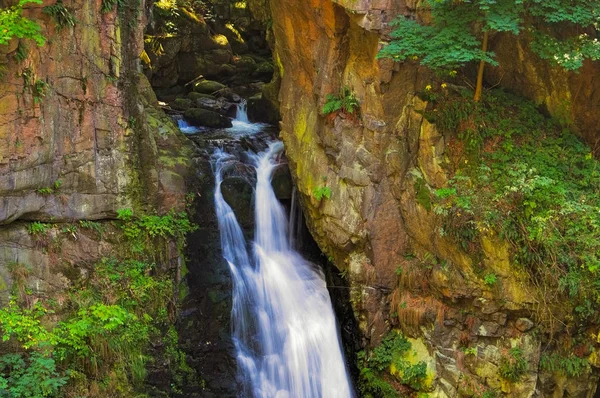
(513, 365)
(62, 16)
(321, 192)
(345, 103)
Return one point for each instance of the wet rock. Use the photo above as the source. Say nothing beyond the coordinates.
(238, 192)
(208, 87)
(282, 182)
(261, 110)
(203, 117)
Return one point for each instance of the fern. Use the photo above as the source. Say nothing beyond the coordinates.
(345, 102)
(61, 15)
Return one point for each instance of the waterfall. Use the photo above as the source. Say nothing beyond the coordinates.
(242, 114)
(284, 328)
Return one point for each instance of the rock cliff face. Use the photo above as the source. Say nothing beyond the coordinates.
(81, 135)
(376, 168)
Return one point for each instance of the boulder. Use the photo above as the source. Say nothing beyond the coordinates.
(181, 104)
(203, 117)
(208, 87)
(264, 72)
(262, 110)
(194, 96)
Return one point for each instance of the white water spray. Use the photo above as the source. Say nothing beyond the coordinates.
(284, 328)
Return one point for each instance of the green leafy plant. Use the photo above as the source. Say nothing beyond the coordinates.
(39, 228)
(39, 90)
(345, 103)
(29, 375)
(45, 191)
(109, 5)
(63, 17)
(21, 52)
(321, 192)
(490, 279)
(390, 353)
(94, 226)
(570, 366)
(513, 365)
(143, 232)
(14, 24)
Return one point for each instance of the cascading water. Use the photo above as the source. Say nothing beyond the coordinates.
(242, 114)
(284, 328)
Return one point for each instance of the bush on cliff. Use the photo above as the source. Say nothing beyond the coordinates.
(527, 179)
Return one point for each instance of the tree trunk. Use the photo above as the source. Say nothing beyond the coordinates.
(479, 84)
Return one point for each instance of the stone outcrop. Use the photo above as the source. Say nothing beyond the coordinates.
(91, 143)
(378, 227)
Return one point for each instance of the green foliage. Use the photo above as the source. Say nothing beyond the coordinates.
(570, 366)
(490, 279)
(29, 376)
(37, 87)
(533, 183)
(345, 102)
(453, 39)
(63, 17)
(513, 365)
(106, 324)
(39, 228)
(145, 231)
(94, 226)
(321, 192)
(389, 354)
(14, 24)
(109, 5)
(21, 52)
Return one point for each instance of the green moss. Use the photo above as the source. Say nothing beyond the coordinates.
(422, 194)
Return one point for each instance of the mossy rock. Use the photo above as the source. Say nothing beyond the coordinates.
(182, 104)
(194, 96)
(219, 56)
(264, 72)
(208, 87)
(245, 63)
(203, 117)
(262, 110)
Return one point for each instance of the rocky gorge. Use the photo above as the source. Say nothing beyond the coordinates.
(418, 265)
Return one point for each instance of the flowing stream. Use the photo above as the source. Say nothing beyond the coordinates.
(284, 328)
